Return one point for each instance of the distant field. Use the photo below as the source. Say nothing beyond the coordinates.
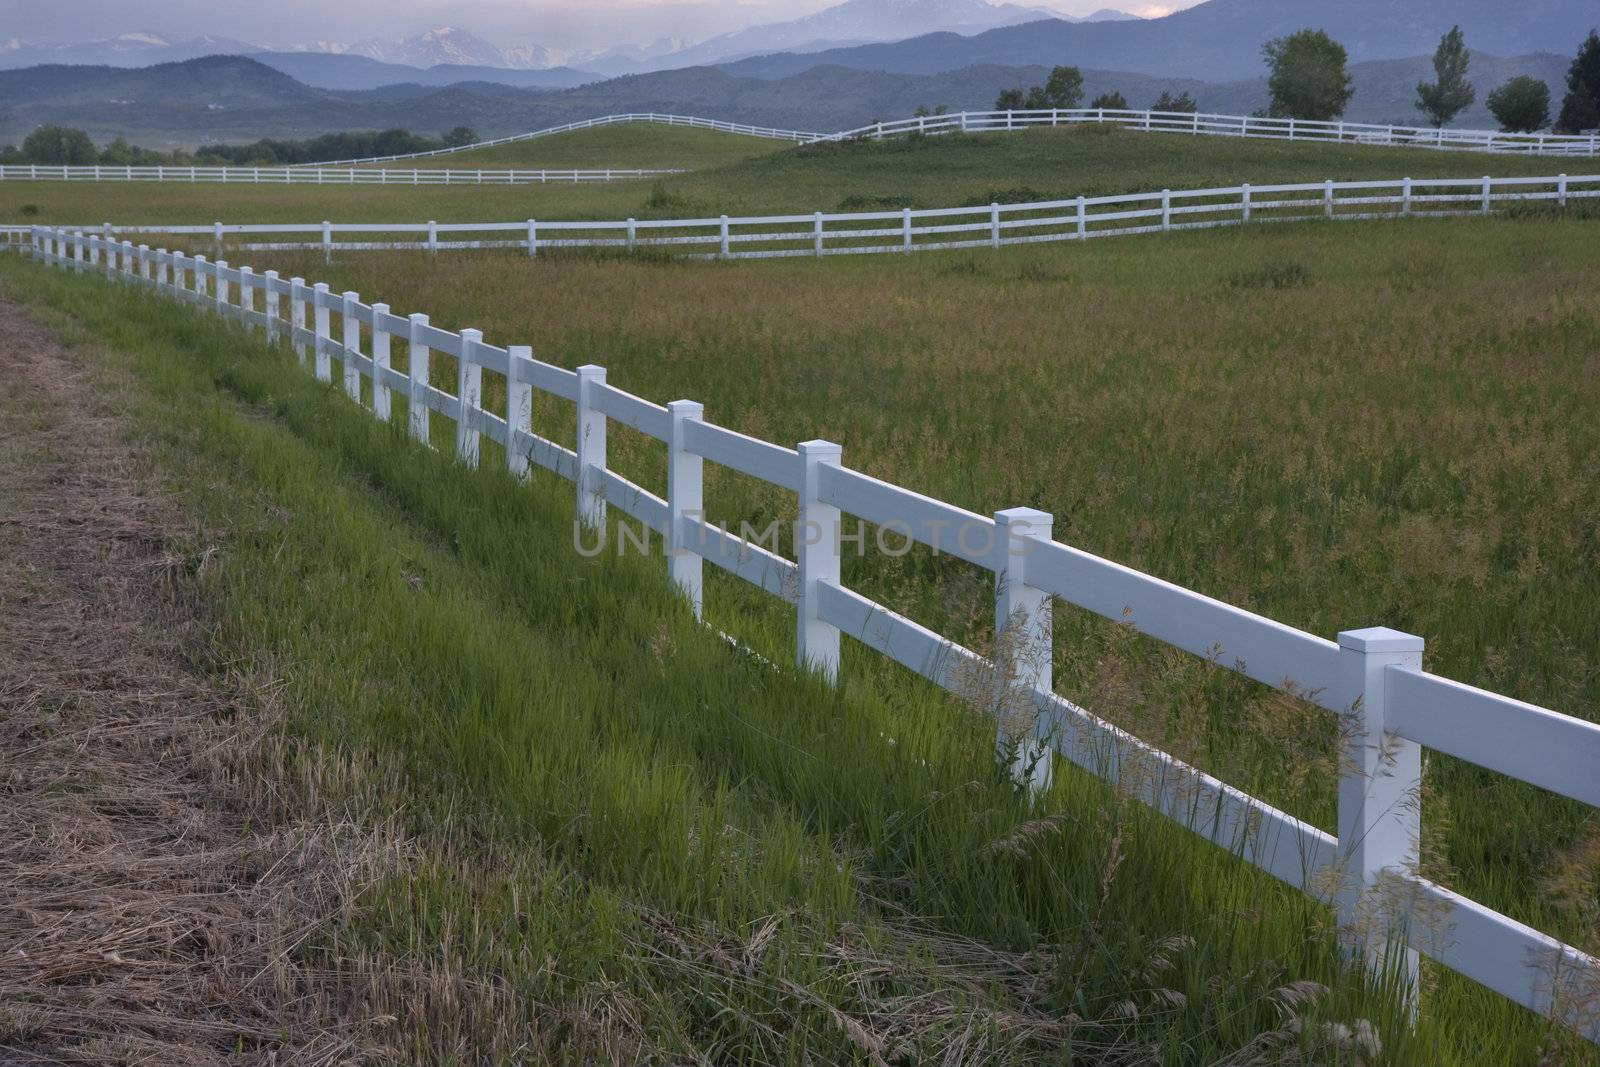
(1337, 426)
(929, 172)
(643, 145)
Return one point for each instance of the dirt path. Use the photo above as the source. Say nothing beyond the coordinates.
(154, 882)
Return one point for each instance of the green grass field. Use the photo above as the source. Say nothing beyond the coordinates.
(1335, 425)
(926, 172)
(643, 145)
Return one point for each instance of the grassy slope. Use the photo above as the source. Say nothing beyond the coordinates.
(1338, 426)
(637, 145)
(932, 172)
(631, 801)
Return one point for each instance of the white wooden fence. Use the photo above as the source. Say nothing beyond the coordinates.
(343, 172)
(610, 120)
(907, 230)
(321, 174)
(1371, 678)
(1254, 126)
(1544, 144)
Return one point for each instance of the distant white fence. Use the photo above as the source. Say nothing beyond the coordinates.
(609, 120)
(907, 230)
(341, 172)
(1542, 144)
(321, 174)
(1253, 126)
(1372, 679)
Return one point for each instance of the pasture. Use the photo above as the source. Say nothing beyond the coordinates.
(943, 171)
(1335, 426)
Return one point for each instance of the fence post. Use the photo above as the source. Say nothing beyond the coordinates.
(1327, 198)
(164, 269)
(469, 397)
(269, 304)
(127, 264)
(1023, 628)
(319, 318)
(222, 302)
(1244, 202)
(816, 238)
(216, 237)
(433, 236)
(77, 252)
(380, 363)
(1405, 196)
(723, 251)
(350, 327)
(417, 394)
(817, 555)
(905, 229)
(533, 239)
(1083, 217)
(247, 299)
(1166, 209)
(519, 410)
(1561, 189)
(591, 448)
(327, 237)
(994, 225)
(1380, 795)
(199, 292)
(633, 236)
(1487, 184)
(297, 316)
(685, 503)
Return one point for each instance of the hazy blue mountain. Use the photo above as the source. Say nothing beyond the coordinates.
(1218, 40)
(844, 24)
(125, 50)
(349, 71)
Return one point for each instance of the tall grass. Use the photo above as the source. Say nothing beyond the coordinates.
(660, 845)
(1337, 427)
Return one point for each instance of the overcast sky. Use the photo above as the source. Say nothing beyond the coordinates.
(555, 23)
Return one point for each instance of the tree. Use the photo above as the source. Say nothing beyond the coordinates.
(1450, 93)
(1064, 87)
(1308, 79)
(1110, 102)
(1009, 100)
(59, 145)
(1181, 103)
(460, 137)
(1581, 109)
(1036, 100)
(1521, 105)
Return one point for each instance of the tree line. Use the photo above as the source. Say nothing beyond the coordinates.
(1308, 77)
(59, 145)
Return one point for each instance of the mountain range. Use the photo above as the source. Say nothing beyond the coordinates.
(850, 22)
(1218, 40)
(232, 98)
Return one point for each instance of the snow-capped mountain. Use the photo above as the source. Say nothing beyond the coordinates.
(850, 22)
(453, 46)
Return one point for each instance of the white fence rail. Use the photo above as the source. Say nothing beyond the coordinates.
(339, 172)
(907, 230)
(1543, 144)
(1372, 679)
(1338, 131)
(610, 120)
(321, 174)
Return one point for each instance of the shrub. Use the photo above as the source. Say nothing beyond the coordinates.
(1521, 105)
